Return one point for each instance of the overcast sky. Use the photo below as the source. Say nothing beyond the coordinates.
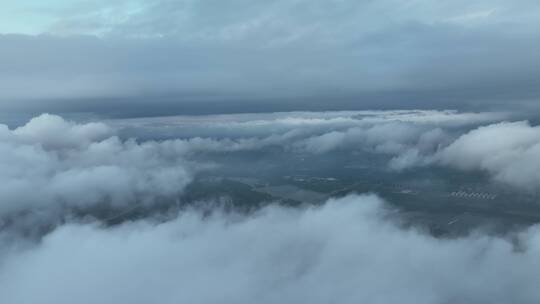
(139, 58)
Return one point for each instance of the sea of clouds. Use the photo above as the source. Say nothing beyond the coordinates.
(348, 250)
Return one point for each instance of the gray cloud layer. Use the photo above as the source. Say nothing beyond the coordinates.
(212, 56)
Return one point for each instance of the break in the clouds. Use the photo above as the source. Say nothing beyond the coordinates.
(346, 251)
(235, 56)
(468, 141)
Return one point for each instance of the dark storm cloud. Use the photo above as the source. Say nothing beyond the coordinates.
(216, 56)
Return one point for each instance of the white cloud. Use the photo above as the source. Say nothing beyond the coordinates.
(54, 133)
(80, 165)
(509, 151)
(345, 251)
(50, 163)
(348, 250)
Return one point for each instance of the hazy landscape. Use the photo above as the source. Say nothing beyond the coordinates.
(288, 151)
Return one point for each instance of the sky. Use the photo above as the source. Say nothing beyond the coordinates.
(147, 58)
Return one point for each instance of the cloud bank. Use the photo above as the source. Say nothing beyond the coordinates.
(509, 151)
(50, 164)
(345, 251)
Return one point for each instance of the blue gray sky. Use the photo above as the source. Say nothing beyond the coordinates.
(137, 58)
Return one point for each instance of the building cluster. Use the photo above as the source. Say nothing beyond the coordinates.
(477, 195)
